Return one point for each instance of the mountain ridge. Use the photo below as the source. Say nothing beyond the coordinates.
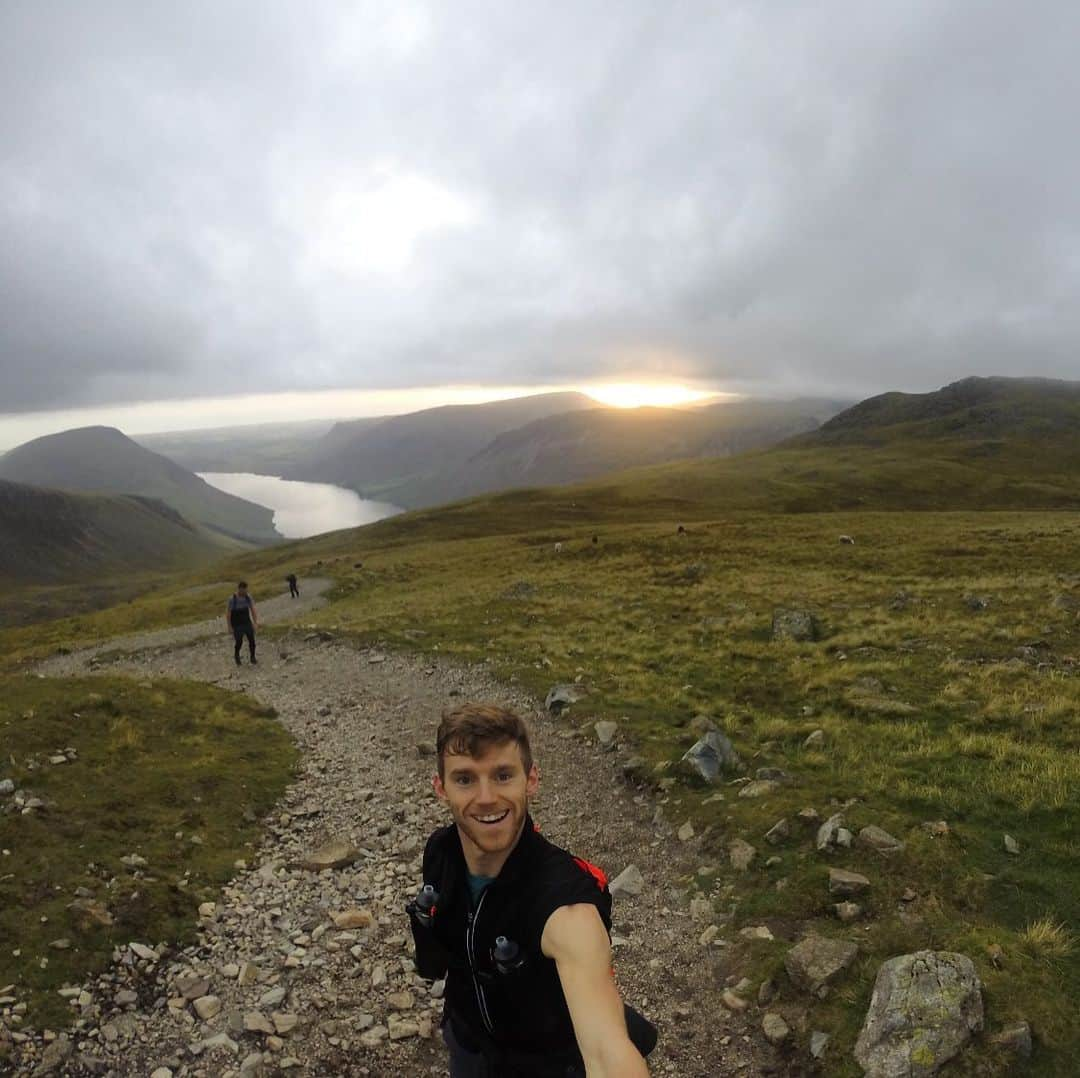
(100, 459)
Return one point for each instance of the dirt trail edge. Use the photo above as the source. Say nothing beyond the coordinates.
(277, 984)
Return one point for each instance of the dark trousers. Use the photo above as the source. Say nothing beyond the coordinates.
(294, 591)
(466, 1064)
(239, 632)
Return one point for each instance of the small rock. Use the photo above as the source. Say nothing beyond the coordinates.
(1015, 1038)
(335, 854)
(284, 1024)
(712, 754)
(816, 962)
(206, 1007)
(760, 788)
(843, 883)
(796, 625)
(847, 911)
(1011, 846)
(818, 1043)
(815, 740)
(879, 840)
(828, 831)
(733, 1002)
(353, 918)
(686, 832)
(401, 1001)
(628, 883)
(257, 1022)
(779, 832)
(560, 697)
(605, 733)
(776, 1030)
(756, 932)
(741, 854)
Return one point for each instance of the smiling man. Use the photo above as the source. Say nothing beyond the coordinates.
(518, 926)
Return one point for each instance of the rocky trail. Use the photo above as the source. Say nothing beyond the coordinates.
(309, 972)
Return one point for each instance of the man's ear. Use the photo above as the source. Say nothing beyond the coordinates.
(438, 787)
(532, 781)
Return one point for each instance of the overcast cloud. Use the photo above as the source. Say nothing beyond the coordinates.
(214, 198)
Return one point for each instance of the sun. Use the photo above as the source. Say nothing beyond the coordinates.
(643, 394)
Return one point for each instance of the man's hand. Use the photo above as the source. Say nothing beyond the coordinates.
(576, 939)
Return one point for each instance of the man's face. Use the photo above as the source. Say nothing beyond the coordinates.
(488, 796)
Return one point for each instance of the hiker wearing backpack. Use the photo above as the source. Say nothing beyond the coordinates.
(241, 618)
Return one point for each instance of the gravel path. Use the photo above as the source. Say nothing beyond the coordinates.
(279, 609)
(297, 993)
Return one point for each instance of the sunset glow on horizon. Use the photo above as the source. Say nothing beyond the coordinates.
(643, 394)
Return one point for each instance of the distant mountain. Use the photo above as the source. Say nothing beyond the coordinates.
(262, 448)
(102, 460)
(580, 445)
(50, 537)
(983, 410)
(378, 458)
(443, 454)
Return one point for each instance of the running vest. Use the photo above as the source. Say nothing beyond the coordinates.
(510, 1007)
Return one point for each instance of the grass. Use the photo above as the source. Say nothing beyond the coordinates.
(944, 679)
(932, 707)
(176, 773)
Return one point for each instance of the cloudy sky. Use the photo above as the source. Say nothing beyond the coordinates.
(208, 199)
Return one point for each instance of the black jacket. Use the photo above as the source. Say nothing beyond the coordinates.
(517, 1018)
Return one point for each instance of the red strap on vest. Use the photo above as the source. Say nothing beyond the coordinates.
(596, 873)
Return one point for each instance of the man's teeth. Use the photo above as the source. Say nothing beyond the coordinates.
(493, 817)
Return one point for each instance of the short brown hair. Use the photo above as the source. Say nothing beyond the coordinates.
(471, 728)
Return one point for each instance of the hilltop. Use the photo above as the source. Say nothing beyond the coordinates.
(985, 410)
(103, 460)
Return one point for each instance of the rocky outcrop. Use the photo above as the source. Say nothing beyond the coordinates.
(924, 1009)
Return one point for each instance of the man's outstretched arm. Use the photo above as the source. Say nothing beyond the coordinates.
(576, 939)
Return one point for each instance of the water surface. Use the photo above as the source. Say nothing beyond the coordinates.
(302, 509)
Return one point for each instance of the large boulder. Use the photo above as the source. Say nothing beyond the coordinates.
(712, 754)
(924, 1009)
(797, 625)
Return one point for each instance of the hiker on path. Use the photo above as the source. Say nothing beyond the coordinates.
(294, 591)
(517, 926)
(241, 618)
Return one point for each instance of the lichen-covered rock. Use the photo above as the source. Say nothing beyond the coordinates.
(798, 625)
(924, 1009)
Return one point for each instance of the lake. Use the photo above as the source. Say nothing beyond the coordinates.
(302, 509)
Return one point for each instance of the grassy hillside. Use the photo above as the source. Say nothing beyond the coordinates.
(175, 774)
(102, 460)
(48, 537)
(944, 680)
(984, 410)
